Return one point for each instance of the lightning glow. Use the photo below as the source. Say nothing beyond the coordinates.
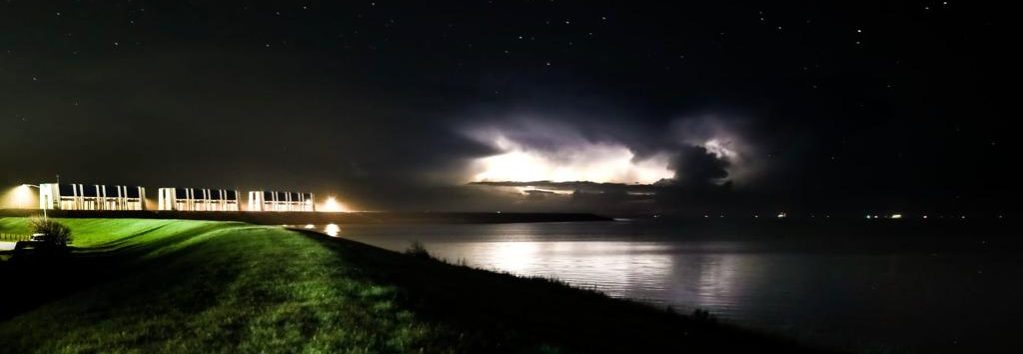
(595, 162)
(721, 149)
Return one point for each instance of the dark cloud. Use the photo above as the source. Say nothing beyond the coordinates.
(696, 167)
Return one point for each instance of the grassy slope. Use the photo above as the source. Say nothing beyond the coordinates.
(192, 286)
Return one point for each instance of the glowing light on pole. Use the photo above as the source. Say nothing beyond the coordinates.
(24, 191)
(22, 196)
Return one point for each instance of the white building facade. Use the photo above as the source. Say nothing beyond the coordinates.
(72, 196)
(198, 199)
(280, 201)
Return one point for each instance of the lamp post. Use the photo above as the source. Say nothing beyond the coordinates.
(40, 202)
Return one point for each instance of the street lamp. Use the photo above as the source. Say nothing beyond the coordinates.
(40, 202)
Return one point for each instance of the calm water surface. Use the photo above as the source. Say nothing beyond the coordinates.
(879, 293)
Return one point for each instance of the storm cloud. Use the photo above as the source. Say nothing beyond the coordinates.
(697, 166)
(400, 106)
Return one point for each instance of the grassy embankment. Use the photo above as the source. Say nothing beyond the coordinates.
(195, 286)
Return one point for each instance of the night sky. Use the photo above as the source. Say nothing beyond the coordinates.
(625, 107)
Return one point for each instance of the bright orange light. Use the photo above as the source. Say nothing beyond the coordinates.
(333, 206)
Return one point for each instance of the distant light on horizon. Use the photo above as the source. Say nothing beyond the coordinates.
(896, 216)
(332, 205)
(528, 189)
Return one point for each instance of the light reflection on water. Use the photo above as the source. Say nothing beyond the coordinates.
(332, 230)
(646, 271)
(822, 289)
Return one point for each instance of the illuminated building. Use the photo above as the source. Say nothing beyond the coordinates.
(198, 199)
(280, 201)
(72, 196)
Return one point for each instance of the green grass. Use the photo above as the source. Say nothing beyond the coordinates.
(95, 234)
(142, 286)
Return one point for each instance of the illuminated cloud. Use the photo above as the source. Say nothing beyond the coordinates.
(692, 152)
(722, 138)
(578, 160)
(721, 149)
